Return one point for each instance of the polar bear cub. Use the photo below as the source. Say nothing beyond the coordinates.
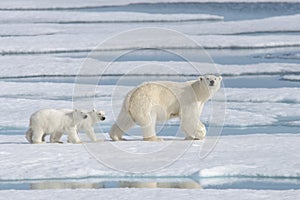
(87, 125)
(163, 100)
(51, 122)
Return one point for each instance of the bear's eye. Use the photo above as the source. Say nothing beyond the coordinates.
(207, 78)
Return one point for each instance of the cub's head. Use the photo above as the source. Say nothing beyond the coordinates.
(99, 115)
(211, 81)
(79, 115)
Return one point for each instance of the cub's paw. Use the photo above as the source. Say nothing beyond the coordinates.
(153, 139)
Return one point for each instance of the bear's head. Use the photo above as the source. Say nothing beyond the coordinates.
(79, 115)
(211, 81)
(99, 115)
(206, 86)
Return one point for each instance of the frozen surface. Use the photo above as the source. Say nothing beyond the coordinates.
(270, 25)
(233, 156)
(56, 4)
(162, 194)
(266, 105)
(280, 24)
(291, 77)
(99, 17)
(27, 65)
(72, 43)
(82, 33)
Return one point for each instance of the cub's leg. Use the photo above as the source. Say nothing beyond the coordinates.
(73, 136)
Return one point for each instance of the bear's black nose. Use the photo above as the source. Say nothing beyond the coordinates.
(211, 82)
(103, 118)
(85, 116)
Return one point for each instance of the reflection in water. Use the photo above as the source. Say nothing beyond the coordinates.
(49, 185)
(253, 183)
(46, 185)
(182, 185)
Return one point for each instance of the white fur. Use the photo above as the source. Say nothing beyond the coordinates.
(163, 100)
(87, 125)
(52, 122)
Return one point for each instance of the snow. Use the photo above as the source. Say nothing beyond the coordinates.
(265, 105)
(291, 77)
(244, 42)
(56, 4)
(161, 194)
(47, 38)
(233, 156)
(98, 17)
(79, 43)
(270, 25)
(69, 171)
(28, 65)
(280, 24)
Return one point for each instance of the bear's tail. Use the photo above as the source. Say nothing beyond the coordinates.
(29, 134)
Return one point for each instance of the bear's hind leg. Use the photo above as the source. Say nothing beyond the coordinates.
(116, 132)
(123, 124)
(149, 133)
(91, 134)
(37, 137)
(29, 135)
(55, 138)
(73, 136)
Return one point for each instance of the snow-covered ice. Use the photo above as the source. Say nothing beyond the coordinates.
(265, 106)
(161, 194)
(291, 77)
(56, 4)
(98, 17)
(234, 156)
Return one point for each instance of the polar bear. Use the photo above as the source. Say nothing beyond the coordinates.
(51, 122)
(86, 125)
(163, 100)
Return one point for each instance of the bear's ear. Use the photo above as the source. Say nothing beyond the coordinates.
(94, 110)
(220, 78)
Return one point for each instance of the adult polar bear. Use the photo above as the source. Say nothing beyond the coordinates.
(163, 100)
(51, 122)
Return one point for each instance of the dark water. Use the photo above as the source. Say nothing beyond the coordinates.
(230, 11)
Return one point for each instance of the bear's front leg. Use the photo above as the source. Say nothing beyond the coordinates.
(190, 123)
(73, 136)
(37, 136)
(200, 132)
(91, 133)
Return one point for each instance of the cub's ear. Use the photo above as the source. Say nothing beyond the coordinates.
(201, 78)
(220, 78)
(94, 110)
